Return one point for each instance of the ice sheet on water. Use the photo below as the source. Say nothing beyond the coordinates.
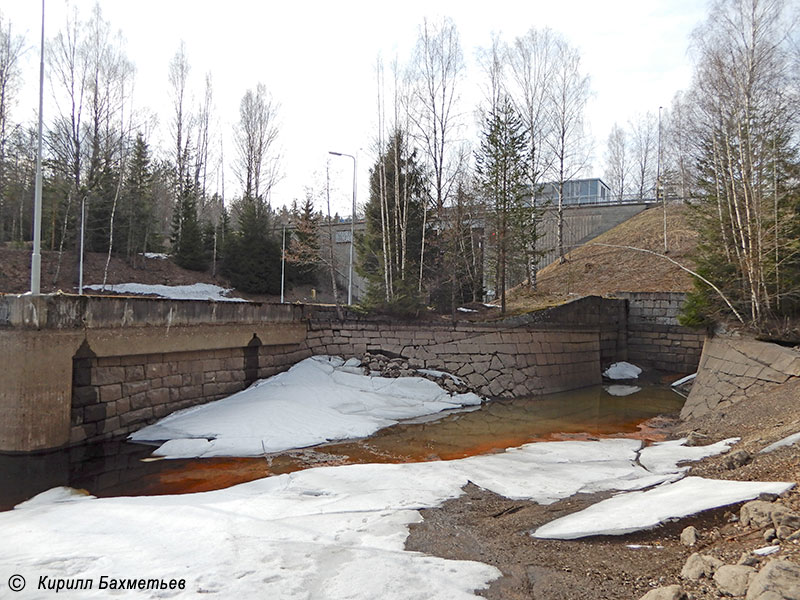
(622, 370)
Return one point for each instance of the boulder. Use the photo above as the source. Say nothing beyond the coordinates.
(689, 536)
(732, 580)
(670, 592)
(737, 459)
(757, 514)
(778, 580)
(700, 565)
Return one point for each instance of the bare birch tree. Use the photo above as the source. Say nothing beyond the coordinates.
(181, 119)
(531, 59)
(11, 49)
(744, 123)
(643, 151)
(255, 138)
(617, 162)
(569, 92)
(437, 73)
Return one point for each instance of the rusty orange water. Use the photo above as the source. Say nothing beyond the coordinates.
(584, 414)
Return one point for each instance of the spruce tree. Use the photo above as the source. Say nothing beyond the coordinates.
(187, 237)
(252, 259)
(502, 174)
(136, 230)
(303, 250)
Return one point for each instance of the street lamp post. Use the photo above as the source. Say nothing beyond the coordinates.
(36, 257)
(352, 228)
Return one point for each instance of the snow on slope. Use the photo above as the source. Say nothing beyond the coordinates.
(196, 291)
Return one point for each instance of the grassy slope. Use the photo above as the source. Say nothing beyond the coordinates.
(595, 269)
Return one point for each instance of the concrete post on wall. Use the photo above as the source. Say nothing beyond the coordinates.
(36, 389)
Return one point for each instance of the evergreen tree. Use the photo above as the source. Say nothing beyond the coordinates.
(502, 173)
(389, 250)
(303, 251)
(187, 237)
(136, 230)
(252, 255)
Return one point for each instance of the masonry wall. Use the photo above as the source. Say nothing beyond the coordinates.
(117, 364)
(496, 361)
(734, 369)
(114, 396)
(655, 339)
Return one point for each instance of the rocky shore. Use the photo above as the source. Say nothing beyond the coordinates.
(749, 550)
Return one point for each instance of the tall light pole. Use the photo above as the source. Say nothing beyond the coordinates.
(658, 180)
(36, 257)
(352, 228)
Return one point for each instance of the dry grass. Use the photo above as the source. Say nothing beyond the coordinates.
(602, 270)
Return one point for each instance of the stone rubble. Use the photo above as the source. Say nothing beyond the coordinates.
(387, 366)
(777, 579)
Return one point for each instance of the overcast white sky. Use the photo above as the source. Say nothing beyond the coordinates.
(318, 61)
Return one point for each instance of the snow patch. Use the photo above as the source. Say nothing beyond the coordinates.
(787, 441)
(766, 550)
(196, 291)
(683, 380)
(634, 511)
(663, 457)
(622, 370)
(54, 496)
(319, 399)
(435, 373)
(338, 529)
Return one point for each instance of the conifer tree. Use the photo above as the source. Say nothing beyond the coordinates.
(303, 251)
(187, 237)
(502, 174)
(390, 248)
(252, 255)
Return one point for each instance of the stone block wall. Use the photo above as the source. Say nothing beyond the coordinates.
(734, 369)
(497, 362)
(655, 339)
(114, 396)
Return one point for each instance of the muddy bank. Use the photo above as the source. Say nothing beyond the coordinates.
(484, 527)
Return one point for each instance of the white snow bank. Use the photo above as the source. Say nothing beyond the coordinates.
(683, 380)
(435, 373)
(158, 255)
(787, 441)
(55, 495)
(622, 390)
(633, 511)
(622, 370)
(663, 457)
(466, 310)
(196, 291)
(327, 532)
(319, 399)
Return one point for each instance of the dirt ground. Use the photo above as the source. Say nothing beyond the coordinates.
(485, 527)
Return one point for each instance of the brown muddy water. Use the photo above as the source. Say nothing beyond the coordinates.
(125, 469)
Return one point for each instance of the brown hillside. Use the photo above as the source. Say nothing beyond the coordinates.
(15, 271)
(596, 269)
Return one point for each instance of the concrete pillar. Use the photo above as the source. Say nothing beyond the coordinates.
(36, 388)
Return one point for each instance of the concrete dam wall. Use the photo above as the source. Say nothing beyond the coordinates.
(83, 369)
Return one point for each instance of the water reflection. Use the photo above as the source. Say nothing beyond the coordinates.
(120, 468)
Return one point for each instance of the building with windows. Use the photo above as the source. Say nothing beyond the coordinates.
(576, 191)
